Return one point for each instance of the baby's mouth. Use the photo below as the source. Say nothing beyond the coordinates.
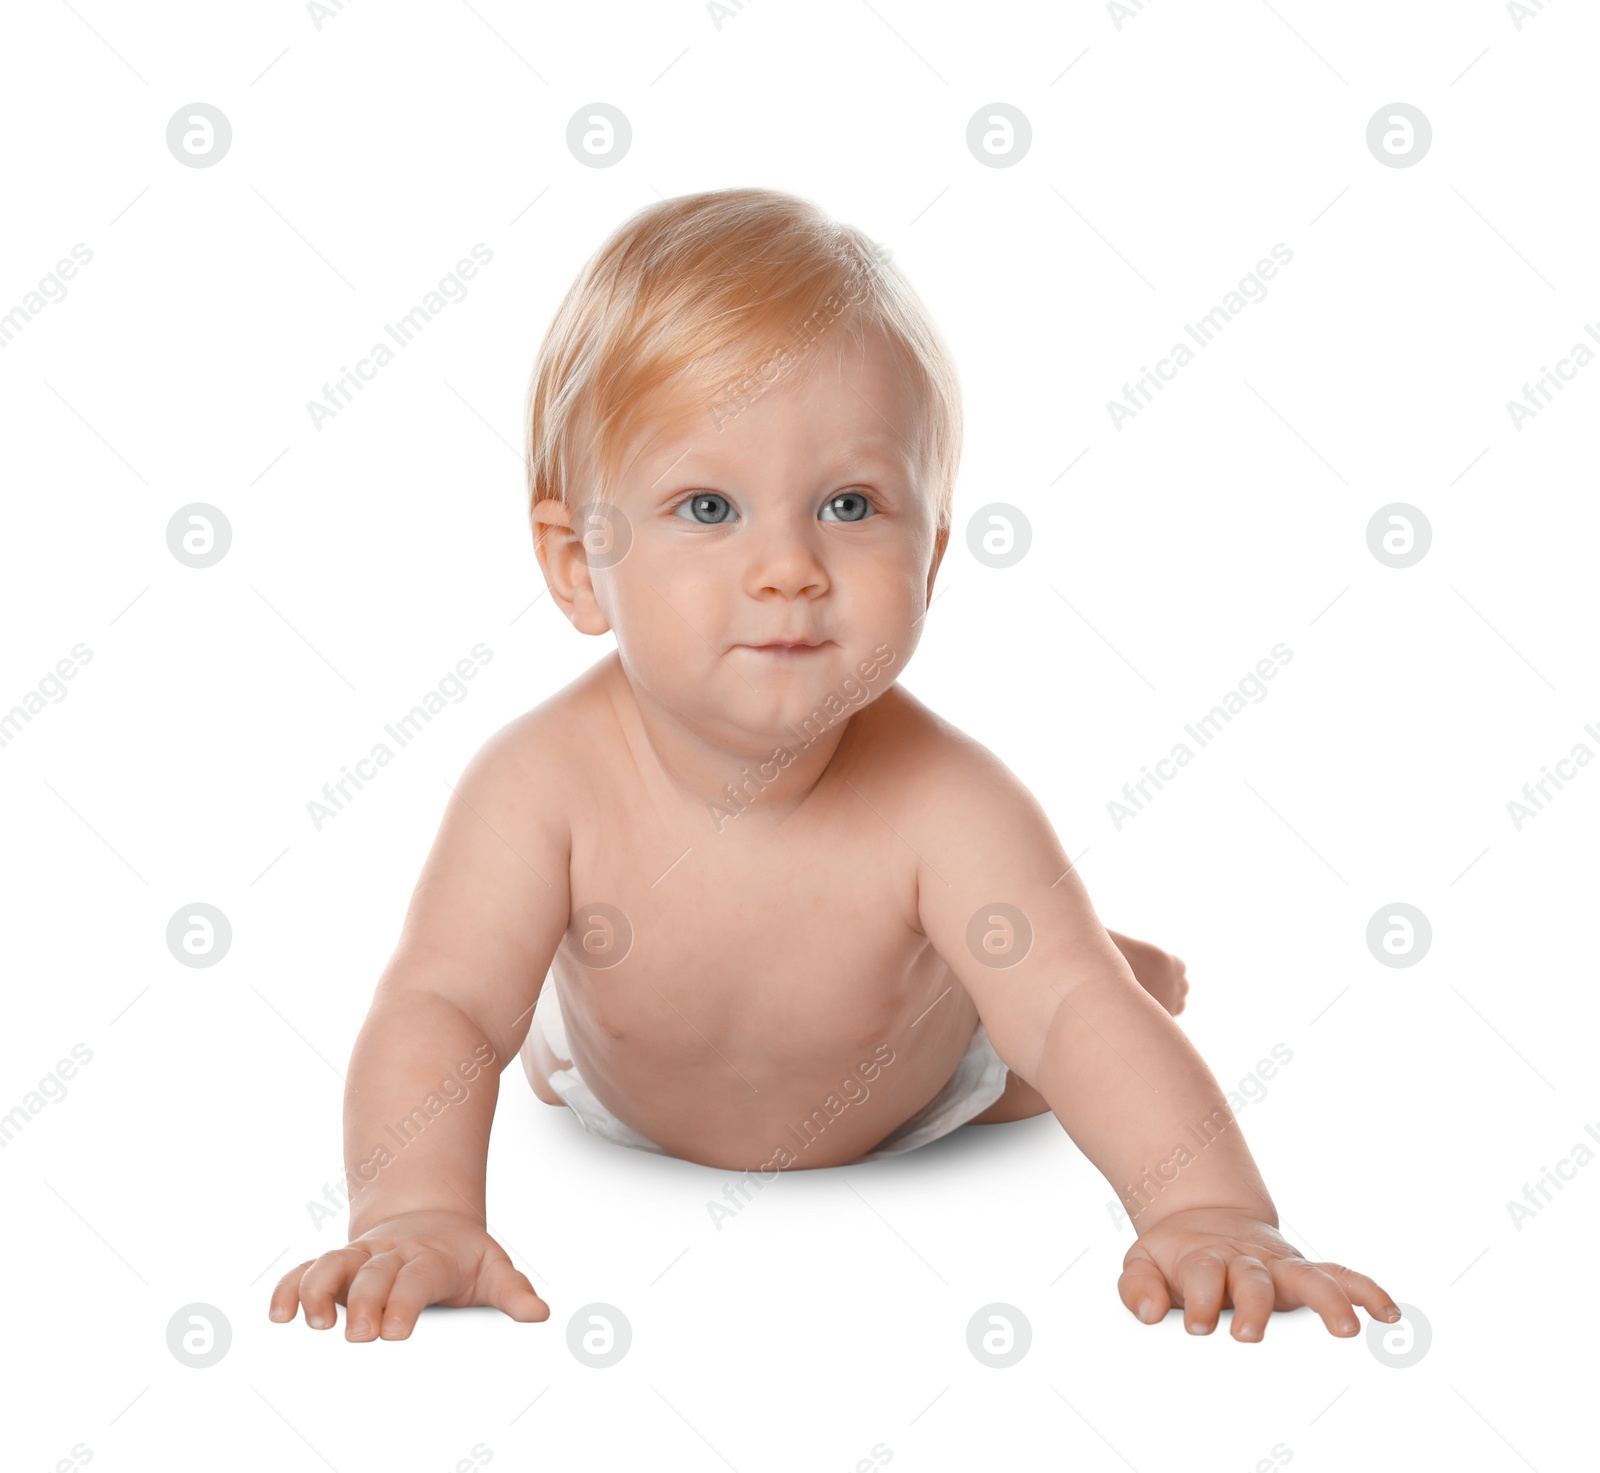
(788, 649)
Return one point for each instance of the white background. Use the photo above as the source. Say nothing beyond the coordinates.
(1167, 157)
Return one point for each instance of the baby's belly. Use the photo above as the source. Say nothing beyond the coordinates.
(752, 1070)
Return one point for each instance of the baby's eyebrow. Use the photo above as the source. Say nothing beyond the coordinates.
(870, 455)
(711, 466)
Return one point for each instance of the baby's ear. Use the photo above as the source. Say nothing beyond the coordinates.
(940, 539)
(565, 563)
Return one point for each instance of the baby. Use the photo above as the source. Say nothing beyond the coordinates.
(790, 917)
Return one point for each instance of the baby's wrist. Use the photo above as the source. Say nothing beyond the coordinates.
(374, 1215)
(1249, 1205)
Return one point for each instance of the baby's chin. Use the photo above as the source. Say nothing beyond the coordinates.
(752, 701)
(788, 718)
(762, 702)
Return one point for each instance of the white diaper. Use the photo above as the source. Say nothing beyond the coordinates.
(978, 1081)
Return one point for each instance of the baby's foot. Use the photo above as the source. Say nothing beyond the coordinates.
(1160, 973)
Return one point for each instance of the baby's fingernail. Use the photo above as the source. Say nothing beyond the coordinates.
(317, 1322)
(280, 1314)
(1249, 1332)
(1394, 1314)
(1145, 1306)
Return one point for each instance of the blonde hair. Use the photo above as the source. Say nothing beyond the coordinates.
(697, 305)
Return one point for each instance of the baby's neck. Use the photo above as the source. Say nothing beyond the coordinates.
(725, 772)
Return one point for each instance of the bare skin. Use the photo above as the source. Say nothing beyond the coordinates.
(1161, 974)
(729, 948)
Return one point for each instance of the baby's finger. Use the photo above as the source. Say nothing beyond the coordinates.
(1365, 1292)
(369, 1292)
(1144, 1290)
(324, 1284)
(1305, 1283)
(286, 1293)
(510, 1292)
(1202, 1277)
(423, 1280)
(1253, 1293)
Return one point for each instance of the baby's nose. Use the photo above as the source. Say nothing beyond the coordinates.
(789, 565)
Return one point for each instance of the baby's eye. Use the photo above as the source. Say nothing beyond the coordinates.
(707, 508)
(848, 506)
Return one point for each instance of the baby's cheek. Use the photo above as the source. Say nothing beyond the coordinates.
(643, 616)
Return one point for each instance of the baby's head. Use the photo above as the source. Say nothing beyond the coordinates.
(744, 430)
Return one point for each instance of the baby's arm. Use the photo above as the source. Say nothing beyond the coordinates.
(1120, 1075)
(450, 1012)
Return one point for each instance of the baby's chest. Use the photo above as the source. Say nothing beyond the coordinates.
(774, 934)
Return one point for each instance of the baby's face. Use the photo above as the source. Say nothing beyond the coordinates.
(803, 520)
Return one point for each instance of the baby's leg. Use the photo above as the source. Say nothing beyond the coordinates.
(1160, 974)
(1020, 1101)
(539, 1063)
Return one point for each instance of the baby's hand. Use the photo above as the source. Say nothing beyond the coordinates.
(1215, 1256)
(393, 1271)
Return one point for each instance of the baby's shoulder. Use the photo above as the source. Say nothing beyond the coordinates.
(938, 781)
(551, 746)
(911, 744)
